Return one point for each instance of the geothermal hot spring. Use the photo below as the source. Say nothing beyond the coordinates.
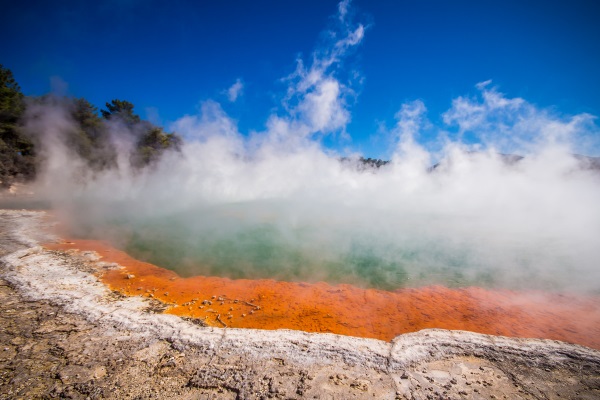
(486, 218)
(285, 234)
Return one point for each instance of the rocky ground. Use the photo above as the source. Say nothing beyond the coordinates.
(65, 335)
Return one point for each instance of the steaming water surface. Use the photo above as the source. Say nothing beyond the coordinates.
(454, 229)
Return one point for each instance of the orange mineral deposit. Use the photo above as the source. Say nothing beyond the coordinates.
(349, 310)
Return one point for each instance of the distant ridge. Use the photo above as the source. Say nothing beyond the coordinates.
(363, 164)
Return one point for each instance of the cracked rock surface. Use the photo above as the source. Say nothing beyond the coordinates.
(65, 335)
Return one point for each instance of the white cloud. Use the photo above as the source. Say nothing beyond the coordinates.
(513, 125)
(316, 97)
(353, 38)
(235, 91)
(484, 84)
(343, 9)
(323, 108)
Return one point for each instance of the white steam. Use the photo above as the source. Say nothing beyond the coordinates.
(277, 204)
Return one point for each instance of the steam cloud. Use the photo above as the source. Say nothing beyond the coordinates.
(277, 204)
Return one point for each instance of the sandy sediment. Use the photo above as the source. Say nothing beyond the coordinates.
(65, 334)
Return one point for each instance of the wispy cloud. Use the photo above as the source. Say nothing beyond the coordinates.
(235, 91)
(316, 98)
(343, 9)
(513, 125)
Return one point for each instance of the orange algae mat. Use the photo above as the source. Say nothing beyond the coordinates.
(349, 310)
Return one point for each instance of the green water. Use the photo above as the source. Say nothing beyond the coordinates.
(264, 250)
(264, 242)
(261, 252)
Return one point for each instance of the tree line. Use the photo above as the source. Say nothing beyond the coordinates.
(88, 135)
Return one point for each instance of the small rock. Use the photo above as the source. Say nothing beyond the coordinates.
(404, 375)
(130, 276)
(362, 385)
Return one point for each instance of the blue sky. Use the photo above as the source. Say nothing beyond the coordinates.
(167, 57)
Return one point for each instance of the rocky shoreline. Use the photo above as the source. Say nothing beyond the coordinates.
(66, 335)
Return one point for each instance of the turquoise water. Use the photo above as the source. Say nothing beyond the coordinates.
(262, 252)
(244, 242)
(374, 247)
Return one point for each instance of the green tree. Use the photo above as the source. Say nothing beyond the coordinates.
(151, 141)
(86, 115)
(16, 150)
(91, 139)
(121, 110)
(11, 98)
(152, 144)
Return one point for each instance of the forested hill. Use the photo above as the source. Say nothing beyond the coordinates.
(88, 133)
